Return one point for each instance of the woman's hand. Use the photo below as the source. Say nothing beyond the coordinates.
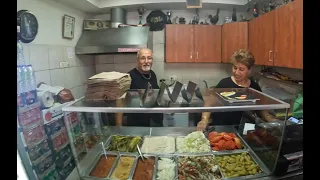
(202, 125)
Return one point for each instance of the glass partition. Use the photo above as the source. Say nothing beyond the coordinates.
(231, 150)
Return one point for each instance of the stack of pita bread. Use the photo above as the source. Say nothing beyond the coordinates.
(107, 86)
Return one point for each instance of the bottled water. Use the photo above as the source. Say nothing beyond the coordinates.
(33, 83)
(20, 87)
(20, 57)
(30, 85)
(25, 78)
(26, 86)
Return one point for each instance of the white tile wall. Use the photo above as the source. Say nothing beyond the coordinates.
(158, 37)
(158, 52)
(46, 59)
(43, 76)
(55, 57)
(39, 57)
(58, 77)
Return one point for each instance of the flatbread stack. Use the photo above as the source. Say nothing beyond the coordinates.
(107, 86)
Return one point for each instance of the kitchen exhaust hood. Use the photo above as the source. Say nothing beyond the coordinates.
(118, 38)
(112, 40)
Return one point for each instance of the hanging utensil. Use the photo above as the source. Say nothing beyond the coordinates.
(150, 131)
(142, 158)
(119, 154)
(104, 150)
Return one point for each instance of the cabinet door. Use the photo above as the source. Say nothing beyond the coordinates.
(179, 43)
(207, 41)
(261, 38)
(288, 36)
(234, 37)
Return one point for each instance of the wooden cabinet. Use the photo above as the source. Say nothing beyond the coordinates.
(261, 38)
(207, 43)
(234, 37)
(275, 38)
(288, 36)
(193, 43)
(179, 43)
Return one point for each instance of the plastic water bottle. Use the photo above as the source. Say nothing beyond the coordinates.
(30, 85)
(20, 88)
(20, 57)
(24, 83)
(33, 83)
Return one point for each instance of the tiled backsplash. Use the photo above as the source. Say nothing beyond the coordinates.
(45, 60)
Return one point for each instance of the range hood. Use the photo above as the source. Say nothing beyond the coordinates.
(114, 39)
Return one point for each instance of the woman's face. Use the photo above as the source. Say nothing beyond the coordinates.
(240, 71)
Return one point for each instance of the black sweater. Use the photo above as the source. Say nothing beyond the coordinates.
(230, 118)
(139, 82)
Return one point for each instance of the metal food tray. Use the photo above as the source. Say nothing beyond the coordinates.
(255, 158)
(147, 136)
(194, 155)
(258, 175)
(174, 158)
(118, 161)
(243, 149)
(154, 174)
(108, 142)
(94, 163)
(230, 99)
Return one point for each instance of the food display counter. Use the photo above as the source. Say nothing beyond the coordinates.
(221, 152)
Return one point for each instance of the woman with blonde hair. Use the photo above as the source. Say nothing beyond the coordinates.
(242, 62)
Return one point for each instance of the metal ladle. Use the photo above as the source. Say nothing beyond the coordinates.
(142, 158)
(119, 154)
(104, 150)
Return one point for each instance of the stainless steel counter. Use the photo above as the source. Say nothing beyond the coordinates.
(132, 103)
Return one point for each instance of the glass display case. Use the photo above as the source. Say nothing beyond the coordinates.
(249, 150)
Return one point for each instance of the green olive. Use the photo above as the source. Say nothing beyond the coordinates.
(238, 168)
(254, 171)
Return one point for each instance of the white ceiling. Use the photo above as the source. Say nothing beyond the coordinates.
(104, 6)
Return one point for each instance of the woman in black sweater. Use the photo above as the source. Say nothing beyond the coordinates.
(242, 62)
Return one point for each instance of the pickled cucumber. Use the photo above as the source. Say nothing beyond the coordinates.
(237, 165)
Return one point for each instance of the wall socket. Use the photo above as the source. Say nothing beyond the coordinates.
(64, 64)
(173, 78)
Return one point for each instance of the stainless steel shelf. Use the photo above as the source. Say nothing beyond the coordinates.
(211, 103)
